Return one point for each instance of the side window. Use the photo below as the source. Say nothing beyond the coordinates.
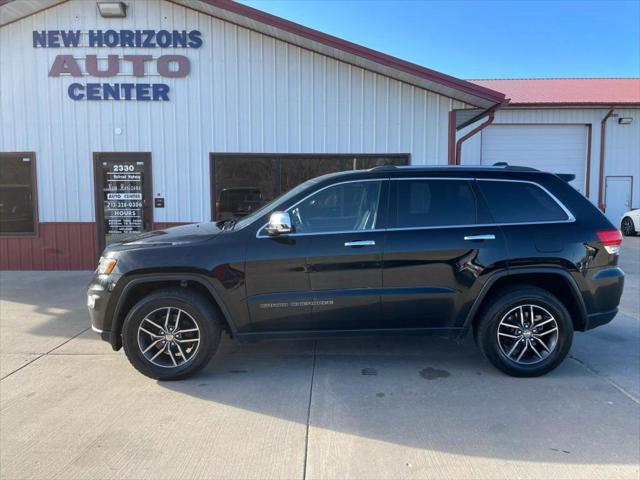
(17, 194)
(434, 203)
(515, 202)
(340, 208)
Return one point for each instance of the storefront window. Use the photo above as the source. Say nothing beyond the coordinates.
(243, 183)
(17, 194)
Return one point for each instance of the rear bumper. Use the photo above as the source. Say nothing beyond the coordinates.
(605, 293)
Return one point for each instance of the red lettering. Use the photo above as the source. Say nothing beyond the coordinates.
(65, 64)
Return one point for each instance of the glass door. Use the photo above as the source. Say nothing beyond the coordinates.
(123, 196)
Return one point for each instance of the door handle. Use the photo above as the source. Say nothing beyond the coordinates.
(480, 237)
(360, 243)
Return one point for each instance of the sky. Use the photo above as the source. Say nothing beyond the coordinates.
(484, 39)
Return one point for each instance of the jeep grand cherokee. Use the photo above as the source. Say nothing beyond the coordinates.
(516, 256)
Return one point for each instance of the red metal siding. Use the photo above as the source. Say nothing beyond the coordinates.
(58, 246)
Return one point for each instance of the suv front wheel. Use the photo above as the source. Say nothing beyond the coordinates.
(171, 333)
(525, 332)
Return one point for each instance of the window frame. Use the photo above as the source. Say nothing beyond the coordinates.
(303, 156)
(34, 188)
(379, 206)
(478, 192)
(386, 206)
(570, 217)
(382, 210)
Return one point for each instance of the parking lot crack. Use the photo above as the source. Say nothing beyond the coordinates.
(306, 437)
(44, 354)
(615, 385)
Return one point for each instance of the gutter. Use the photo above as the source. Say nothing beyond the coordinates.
(471, 134)
(603, 126)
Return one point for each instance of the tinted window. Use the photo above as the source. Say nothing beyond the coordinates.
(17, 203)
(433, 203)
(514, 202)
(340, 208)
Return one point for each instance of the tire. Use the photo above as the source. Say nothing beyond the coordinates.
(496, 327)
(627, 227)
(194, 316)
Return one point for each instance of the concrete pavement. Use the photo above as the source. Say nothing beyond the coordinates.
(406, 407)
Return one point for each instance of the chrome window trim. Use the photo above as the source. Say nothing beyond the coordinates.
(339, 232)
(570, 217)
(474, 225)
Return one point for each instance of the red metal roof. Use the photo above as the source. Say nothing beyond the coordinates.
(567, 91)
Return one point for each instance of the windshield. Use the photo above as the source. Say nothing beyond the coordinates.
(249, 219)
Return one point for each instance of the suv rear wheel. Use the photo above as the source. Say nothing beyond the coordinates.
(525, 332)
(171, 333)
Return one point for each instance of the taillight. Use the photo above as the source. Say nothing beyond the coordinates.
(611, 240)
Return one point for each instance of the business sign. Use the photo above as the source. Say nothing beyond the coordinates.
(123, 200)
(165, 66)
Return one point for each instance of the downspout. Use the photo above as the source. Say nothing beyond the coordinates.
(603, 124)
(587, 186)
(471, 134)
(451, 152)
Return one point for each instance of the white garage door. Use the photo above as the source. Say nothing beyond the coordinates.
(554, 148)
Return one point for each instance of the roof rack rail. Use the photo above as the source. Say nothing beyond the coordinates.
(381, 168)
(497, 165)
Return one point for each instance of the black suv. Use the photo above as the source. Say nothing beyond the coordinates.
(512, 254)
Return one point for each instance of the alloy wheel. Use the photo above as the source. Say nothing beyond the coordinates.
(627, 226)
(527, 334)
(168, 337)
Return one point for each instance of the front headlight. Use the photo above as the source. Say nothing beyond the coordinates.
(106, 266)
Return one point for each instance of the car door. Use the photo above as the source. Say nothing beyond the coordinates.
(439, 244)
(344, 223)
(326, 274)
(277, 282)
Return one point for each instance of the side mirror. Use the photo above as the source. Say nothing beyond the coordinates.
(279, 224)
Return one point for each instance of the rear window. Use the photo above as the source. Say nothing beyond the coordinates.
(434, 203)
(517, 202)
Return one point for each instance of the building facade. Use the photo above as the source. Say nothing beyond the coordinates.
(188, 111)
(171, 112)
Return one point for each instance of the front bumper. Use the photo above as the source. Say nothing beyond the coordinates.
(99, 296)
(601, 318)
